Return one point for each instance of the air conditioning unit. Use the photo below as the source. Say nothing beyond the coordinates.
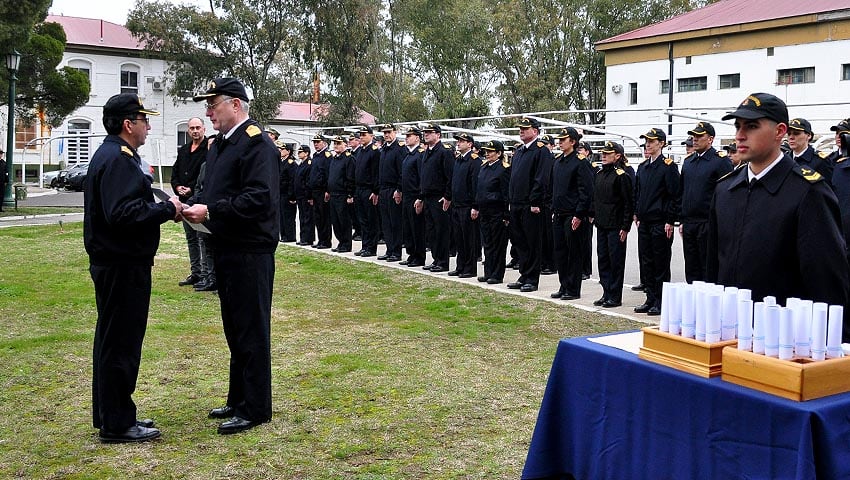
(157, 85)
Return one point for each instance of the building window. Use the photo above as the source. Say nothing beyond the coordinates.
(129, 79)
(665, 86)
(688, 60)
(692, 84)
(732, 80)
(633, 94)
(82, 66)
(78, 148)
(791, 76)
(845, 71)
(24, 133)
(769, 51)
(183, 134)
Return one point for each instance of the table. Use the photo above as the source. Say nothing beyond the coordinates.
(607, 414)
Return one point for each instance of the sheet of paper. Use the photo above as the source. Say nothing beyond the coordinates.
(160, 194)
(198, 226)
(629, 341)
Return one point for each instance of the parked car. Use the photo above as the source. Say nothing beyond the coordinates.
(50, 179)
(72, 178)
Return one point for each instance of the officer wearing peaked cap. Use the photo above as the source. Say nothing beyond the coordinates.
(121, 236)
(389, 201)
(491, 209)
(288, 203)
(307, 227)
(412, 222)
(367, 187)
(657, 196)
(700, 172)
(465, 226)
(435, 198)
(841, 174)
(317, 182)
(799, 135)
(240, 206)
(341, 189)
(774, 226)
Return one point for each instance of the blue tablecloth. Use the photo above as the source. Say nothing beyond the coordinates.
(607, 414)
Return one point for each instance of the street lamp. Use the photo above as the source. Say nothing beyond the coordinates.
(13, 60)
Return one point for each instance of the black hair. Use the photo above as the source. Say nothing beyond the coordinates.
(115, 124)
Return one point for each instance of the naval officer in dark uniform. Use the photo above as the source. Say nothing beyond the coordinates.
(799, 135)
(465, 228)
(413, 222)
(435, 194)
(240, 206)
(317, 183)
(491, 208)
(389, 177)
(341, 189)
(775, 226)
(121, 236)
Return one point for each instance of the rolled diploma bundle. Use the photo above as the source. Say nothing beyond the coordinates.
(758, 327)
(771, 331)
(699, 313)
(745, 325)
(833, 331)
(786, 333)
(729, 315)
(803, 327)
(712, 317)
(819, 313)
(686, 296)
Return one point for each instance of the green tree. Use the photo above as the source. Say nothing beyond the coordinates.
(256, 42)
(17, 19)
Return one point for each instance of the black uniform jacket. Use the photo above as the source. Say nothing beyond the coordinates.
(492, 191)
(241, 191)
(657, 193)
(465, 179)
(367, 160)
(530, 169)
(121, 222)
(302, 174)
(817, 161)
(410, 166)
(613, 198)
(389, 173)
(572, 185)
(698, 178)
(341, 174)
(288, 172)
(780, 237)
(435, 175)
(317, 181)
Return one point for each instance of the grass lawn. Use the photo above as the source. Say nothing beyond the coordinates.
(377, 373)
(30, 211)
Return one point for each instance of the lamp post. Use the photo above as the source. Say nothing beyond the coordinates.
(13, 60)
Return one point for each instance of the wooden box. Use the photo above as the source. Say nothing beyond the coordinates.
(797, 379)
(685, 354)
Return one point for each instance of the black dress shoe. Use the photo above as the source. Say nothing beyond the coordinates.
(427, 267)
(323, 247)
(236, 425)
(404, 262)
(654, 311)
(639, 287)
(528, 287)
(367, 254)
(334, 249)
(512, 264)
(515, 285)
(466, 275)
(393, 258)
(190, 280)
(454, 273)
(482, 279)
(383, 257)
(415, 264)
(567, 296)
(358, 253)
(611, 304)
(343, 250)
(207, 287)
(558, 294)
(145, 422)
(493, 281)
(600, 302)
(642, 308)
(134, 434)
(221, 412)
(438, 269)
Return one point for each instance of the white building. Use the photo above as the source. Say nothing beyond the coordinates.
(715, 56)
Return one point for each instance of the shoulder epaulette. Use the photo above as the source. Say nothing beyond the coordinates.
(448, 146)
(457, 154)
(668, 161)
(327, 154)
(348, 153)
(421, 149)
(824, 155)
(291, 161)
(253, 130)
(310, 161)
(126, 150)
(580, 156)
(809, 174)
(722, 154)
(733, 172)
(541, 144)
(401, 143)
(374, 146)
(619, 171)
(474, 155)
(506, 163)
(841, 159)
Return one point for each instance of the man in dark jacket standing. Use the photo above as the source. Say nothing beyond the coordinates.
(465, 228)
(366, 163)
(241, 208)
(121, 235)
(317, 183)
(389, 177)
(184, 176)
(435, 194)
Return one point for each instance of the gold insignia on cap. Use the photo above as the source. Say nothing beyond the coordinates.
(754, 100)
(211, 85)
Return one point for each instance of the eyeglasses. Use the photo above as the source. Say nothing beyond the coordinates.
(211, 106)
(145, 119)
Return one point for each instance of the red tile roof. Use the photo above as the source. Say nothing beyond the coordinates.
(95, 33)
(727, 13)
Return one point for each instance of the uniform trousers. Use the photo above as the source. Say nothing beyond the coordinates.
(122, 294)
(391, 222)
(526, 236)
(341, 221)
(654, 250)
(288, 211)
(466, 232)
(611, 258)
(695, 248)
(494, 240)
(307, 228)
(322, 218)
(587, 261)
(367, 214)
(245, 282)
(208, 257)
(195, 265)
(568, 252)
(438, 222)
(413, 226)
(547, 249)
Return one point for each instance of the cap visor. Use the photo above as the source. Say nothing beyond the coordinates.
(203, 96)
(149, 112)
(745, 114)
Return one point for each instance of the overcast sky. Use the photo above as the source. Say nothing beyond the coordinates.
(114, 11)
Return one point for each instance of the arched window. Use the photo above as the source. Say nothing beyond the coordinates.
(183, 134)
(130, 78)
(82, 65)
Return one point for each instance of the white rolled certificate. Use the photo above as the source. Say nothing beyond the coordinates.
(771, 330)
(745, 294)
(674, 319)
(803, 327)
(819, 314)
(664, 326)
(686, 296)
(699, 313)
(713, 302)
(786, 333)
(834, 331)
(729, 314)
(745, 324)
(758, 327)
(769, 300)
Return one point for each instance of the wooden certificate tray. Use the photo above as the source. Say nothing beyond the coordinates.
(797, 379)
(685, 354)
